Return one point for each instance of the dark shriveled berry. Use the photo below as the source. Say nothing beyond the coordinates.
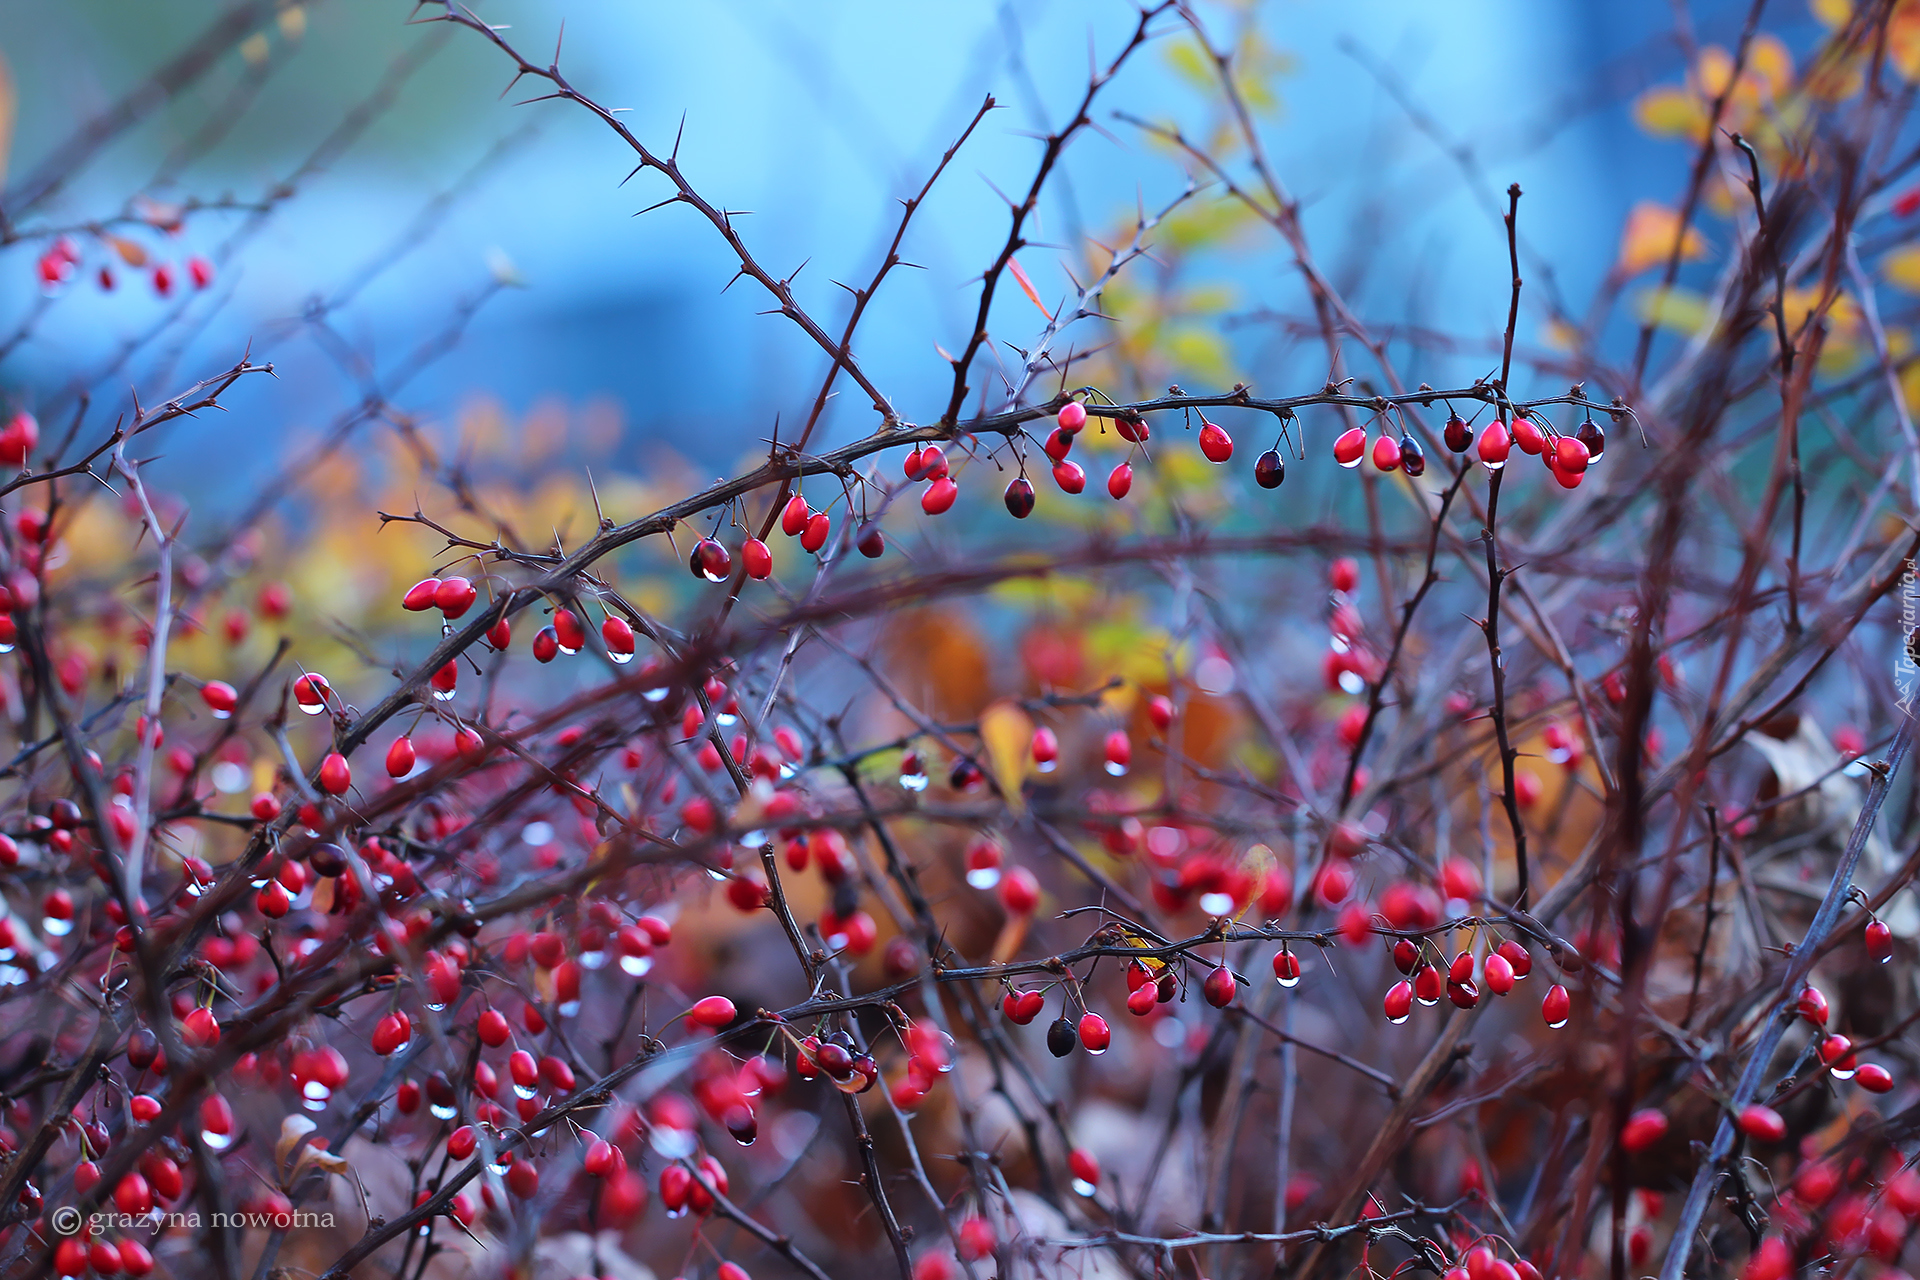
(1061, 1037)
(1413, 460)
(1020, 497)
(1270, 470)
(1458, 435)
(1593, 437)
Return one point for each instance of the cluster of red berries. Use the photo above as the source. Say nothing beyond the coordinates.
(59, 264)
(1567, 457)
(1426, 982)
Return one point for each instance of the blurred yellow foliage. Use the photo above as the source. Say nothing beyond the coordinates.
(1651, 233)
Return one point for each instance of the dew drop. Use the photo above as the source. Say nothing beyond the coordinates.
(1430, 1003)
(216, 1141)
(567, 1009)
(1081, 1187)
(1116, 769)
(1350, 465)
(439, 1112)
(313, 710)
(1293, 982)
(1046, 767)
(223, 715)
(1842, 1073)
(229, 777)
(620, 658)
(6, 648)
(524, 1091)
(1216, 903)
(914, 781)
(1403, 1017)
(593, 959)
(984, 877)
(636, 966)
(55, 927)
(444, 695)
(1092, 1051)
(654, 695)
(1557, 1025)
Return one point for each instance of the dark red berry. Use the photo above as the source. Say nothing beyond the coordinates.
(1269, 470)
(1019, 497)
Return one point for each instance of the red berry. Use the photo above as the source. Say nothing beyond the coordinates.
(1085, 1170)
(1495, 444)
(713, 1011)
(1556, 1007)
(1812, 1005)
(200, 271)
(1073, 416)
(939, 496)
(1019, 891)
(1215, 443)
(454, 596)
(1058, 445)
(1094, 1033)
(546, 645)
(1218, 987)
(1022, 1007)
(419, 597)
(221, 698)
(1571, 455)
(758, 559)
(1119, 752)
(336, 775)
(1874, 1078)
(1343, 575)
(1517, 956)
(1069, 476)
(1528, 435)
(819, 525)
(1643, 1129)
(1120, 481)
(710, 560)
(793, 518)
(1286, 968)
(1386, 453)
(200, 1029)
(1762, 1123)
(1399, 1002)
(1350, 447)
(1879, 940)
(1498, 974)
(500, 634)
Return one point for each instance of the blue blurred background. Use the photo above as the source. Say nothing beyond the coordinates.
(815, 119)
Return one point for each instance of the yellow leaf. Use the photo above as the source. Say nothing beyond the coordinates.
(1027, 285)
(1185, 58)
(1903, 38)
(1651, 234)
(1902, 268)
(1681, 310)
(1668, 111)
(1713, 71)
(1831, 13)
(1007, 733)
(1770, 65)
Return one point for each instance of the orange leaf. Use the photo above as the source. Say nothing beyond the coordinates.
(130, 251)
(1650, 236)
(1027, 285)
